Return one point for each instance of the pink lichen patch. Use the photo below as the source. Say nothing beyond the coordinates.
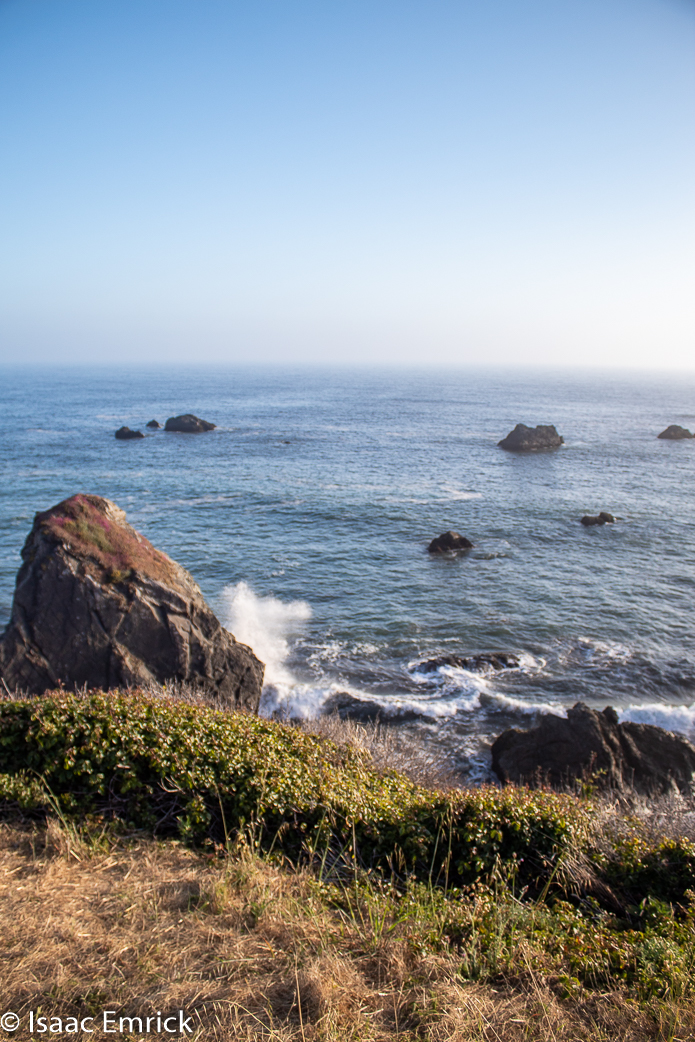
(117, 550)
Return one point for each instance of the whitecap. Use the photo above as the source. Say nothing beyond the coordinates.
(671, 718)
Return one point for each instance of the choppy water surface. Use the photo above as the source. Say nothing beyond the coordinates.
(306, 515)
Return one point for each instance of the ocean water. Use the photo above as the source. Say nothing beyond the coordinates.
(305, 518)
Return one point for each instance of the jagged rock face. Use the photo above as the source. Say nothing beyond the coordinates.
(619, 756)
(96, 604)
(532, 439)
(675, 433)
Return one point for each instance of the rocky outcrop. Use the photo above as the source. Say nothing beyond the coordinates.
(598, 519)
(155, 425)
(188, 424)
(532, 439)
(97, 605)
(675, 433)
(125, 434)
(449, 541)
(475, 663)
(619, 756)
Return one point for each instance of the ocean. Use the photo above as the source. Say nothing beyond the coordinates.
(306, 515)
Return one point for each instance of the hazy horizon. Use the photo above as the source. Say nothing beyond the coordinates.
(386, 184)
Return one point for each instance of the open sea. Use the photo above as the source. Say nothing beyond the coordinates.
(305, 518)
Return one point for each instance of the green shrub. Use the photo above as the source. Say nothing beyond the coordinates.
(203, 775)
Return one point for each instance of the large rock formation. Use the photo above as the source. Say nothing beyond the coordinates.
(96, 604)
(675, 433)
(619, 756)
(188, 424)
(532, 439)
(449, 541)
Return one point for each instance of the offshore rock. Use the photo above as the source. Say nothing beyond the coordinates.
(603, 518)
(625, 756)
(449, 541)
(154, 424)
(188, 424)
(532, 439)
(125, 434)
(97, 605)
(675, 433)
(475, 663)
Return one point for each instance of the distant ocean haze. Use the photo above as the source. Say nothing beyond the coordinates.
(306, 515)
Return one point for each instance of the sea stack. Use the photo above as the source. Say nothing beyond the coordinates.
(675, 433)
(532, 439)
(449, 541)
(125, 434)
(188, 424)
(97, 605)
(604, 518)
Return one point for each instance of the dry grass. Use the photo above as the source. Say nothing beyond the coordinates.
(253, 950)
(390, 749)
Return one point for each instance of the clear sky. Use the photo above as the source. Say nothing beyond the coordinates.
(383, 181)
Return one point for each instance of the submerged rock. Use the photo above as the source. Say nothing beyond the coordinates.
(154, 424)
(603, 518)
(97, 605)
(619, 756)
(675, 433)
(188, 424)
(474, 663)
(531, 439)
(125, 434)
(449, 541)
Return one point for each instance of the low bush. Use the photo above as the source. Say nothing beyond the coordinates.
(205, 775)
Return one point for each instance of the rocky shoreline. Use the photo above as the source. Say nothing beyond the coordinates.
(96, 606)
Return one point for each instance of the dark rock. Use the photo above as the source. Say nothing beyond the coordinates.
(619, 756)
(532, 439)
(475, 663)
(350, 708)
(154, 424)
(97, 605)
(598, 519)
(125, 434)
(188, 424)
(449, 541)
(675, 433)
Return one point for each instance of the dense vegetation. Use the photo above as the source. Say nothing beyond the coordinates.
(608, 900)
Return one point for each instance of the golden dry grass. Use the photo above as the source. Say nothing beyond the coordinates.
(253, 950)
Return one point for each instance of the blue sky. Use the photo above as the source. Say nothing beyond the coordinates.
(439, 182)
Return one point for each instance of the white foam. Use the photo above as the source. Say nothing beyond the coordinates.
(266, 624)
(495, 700)
(461, 494)
(602, 649)
(671, 718)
